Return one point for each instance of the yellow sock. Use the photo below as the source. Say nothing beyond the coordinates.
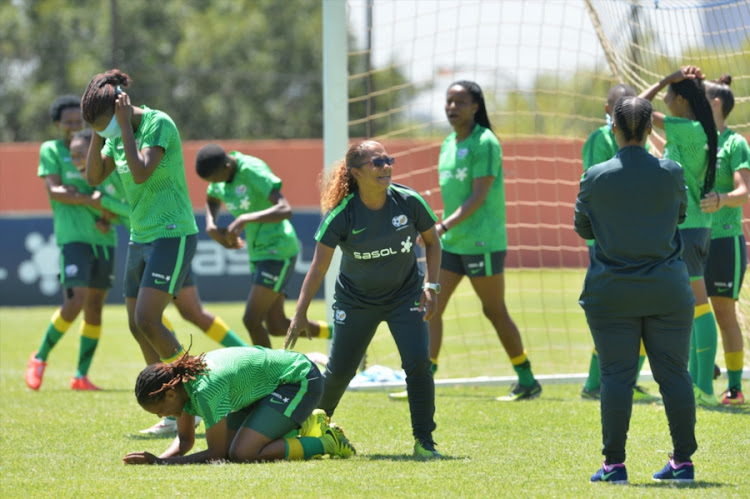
(294, 450)
(325, 330)
(91, 331)
(702, 310)
(167, 324)
(519, 359)
(59, 323)
(218, 330)
(174, 357)
(734, 360)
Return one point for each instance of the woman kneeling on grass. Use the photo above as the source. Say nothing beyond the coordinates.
(252, 401)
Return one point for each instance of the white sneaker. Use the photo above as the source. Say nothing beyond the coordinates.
(166, 425)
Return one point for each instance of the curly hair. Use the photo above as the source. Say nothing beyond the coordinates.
(692, 90)
(61, 104)
(720, 89)
(339, 181)
(155, 379)
(101, 94)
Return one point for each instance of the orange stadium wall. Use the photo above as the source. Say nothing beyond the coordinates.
(541, 179)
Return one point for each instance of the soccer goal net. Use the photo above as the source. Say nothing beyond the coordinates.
(545, 68)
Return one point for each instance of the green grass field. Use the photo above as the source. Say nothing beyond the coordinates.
(59, 443)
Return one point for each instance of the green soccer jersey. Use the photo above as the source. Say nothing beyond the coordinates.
(160, 206)
(687, 144)
(479, 155)
(248, 192)
(239, 376)
(114, 200)
(72, 223)
(733, 155)
(378, 263)
(599, 147)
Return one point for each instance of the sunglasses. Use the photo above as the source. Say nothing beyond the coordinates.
(381, 162)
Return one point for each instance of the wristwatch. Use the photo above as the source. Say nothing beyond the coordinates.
(435, 286)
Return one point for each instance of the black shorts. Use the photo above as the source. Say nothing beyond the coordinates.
(273, 274)
(695, 244)
(725, 269)
(481, 265)
(285, 409)
(161, 264)
(84, 265)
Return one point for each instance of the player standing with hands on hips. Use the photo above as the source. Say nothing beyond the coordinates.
(376, 224)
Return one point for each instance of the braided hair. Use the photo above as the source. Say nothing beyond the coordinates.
(633, 117)
(155, 379)
(692, 91)
(720, 89)
(477, 96)
(101, 94)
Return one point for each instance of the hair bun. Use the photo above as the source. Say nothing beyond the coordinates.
(726, 79)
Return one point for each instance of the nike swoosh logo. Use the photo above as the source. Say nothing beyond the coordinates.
(159, 281)
(267, 281)
(677, 472)
(416, 303)
(607, 475)
(701, 350)
(357, 231)
(275, 401)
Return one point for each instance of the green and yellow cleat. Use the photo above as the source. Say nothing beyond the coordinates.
(519, 392)
(315, 425)
(425, 449)
(336, 444)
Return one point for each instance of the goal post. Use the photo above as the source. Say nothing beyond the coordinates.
(545, 67)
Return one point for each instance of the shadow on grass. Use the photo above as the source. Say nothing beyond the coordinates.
(672, 486)
(408, 457)
(162, 436)
(729, 409)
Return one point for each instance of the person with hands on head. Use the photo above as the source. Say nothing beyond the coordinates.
(692, 141)
(143, 146)
(86, 253)
(376, 223)
(727, 255)
(252, 193)
(257, 404)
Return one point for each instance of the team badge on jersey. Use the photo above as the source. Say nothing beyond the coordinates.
(399, 221)
(240, 189)
(71, 270)
(461, 153)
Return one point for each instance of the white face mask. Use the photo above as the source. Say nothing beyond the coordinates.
(112, 131)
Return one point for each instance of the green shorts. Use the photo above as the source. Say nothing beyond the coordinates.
(725, 269)
(161, 264)
(481, 265)
(695, 244)
(285, 409)
(84, 265)
(273, 274)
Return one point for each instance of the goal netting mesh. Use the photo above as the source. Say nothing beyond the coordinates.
(545, 68)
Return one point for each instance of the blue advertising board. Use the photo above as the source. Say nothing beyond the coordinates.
(30, 264)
